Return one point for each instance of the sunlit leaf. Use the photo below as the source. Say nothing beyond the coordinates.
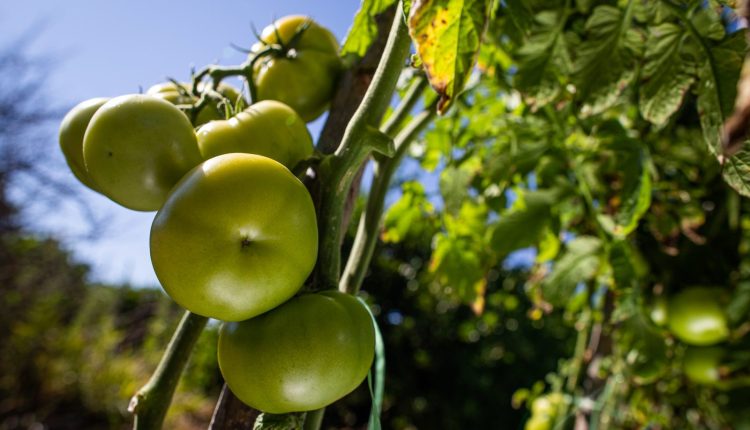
(542, 58)
(579, 263)
(364, 29)
(408, 215)
(523, 224)
(667, 76)
(447, 34)
(606, 60)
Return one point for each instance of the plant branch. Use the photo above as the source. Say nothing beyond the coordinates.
(394, 122)
(369, 222)
(150, 403)
(360, 138)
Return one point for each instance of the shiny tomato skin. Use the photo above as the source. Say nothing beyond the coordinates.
(236, 237)
(696, 316)
(305, 76)
(269, 128)
(72, 130)
(303, 355)
(136, 148)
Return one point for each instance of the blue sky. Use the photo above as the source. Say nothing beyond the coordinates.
(107, 48)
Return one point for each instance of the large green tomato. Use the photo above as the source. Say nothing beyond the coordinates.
(136, 148)
(236, 237)
(703, 365)
(303, 355)
(696, 317)
(268, 128)
(305, 76)
(72, 129)
(213, 111)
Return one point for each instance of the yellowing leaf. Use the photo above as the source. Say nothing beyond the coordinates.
(448, 34)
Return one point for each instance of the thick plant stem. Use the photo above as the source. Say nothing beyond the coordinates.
(395, 121)
(150, 403)
(361, 137)
(369, 221)
(314, 419)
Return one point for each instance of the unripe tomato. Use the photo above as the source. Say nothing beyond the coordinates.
(702, 365)
(303, 355)
(537, 422)
(72, 129)
(305, 76)
(236, 237)
(136, 148)
(267, 128)
(213, 111)
(659, 311)
(696, 316)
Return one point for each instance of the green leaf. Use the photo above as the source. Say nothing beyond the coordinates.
(737, 171)
(632, 159)
(606, 60)
(376, 373)
(708, 23)
(364, 29)
(579, 263)
(454, 187)
(621, 260)
(667, 76)
(519, 18)
(717, 90)
(524, 223)
(717, 87)
(408, 215)
(459, 255)
(447, 35)
(542, 58)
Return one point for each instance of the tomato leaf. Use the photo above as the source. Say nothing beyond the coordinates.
(448, 34)
(364, 29)
(377, 373)
(454, 187)
(541, 58)
(606, 61)
(717, 90)
(579, 263)
(666, 76)
(631, 158)
(406, 216)
(524, 223)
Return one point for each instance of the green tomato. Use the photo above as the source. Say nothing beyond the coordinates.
(538, 423)
(212, 112)
(703, 365)
(136, 148)
(696, 317)
(659, 311)
(236, 237)
(267, 128)
(72, 129)
(303, 355)
(305, 76)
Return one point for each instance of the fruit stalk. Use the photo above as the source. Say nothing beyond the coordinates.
(369, 222)
(149, 405)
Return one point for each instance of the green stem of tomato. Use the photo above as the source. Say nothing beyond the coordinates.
(369, 222)
(314, 419)
(394, 122)
(360, 138)
(149, 405)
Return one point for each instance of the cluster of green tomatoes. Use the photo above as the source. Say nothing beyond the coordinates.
(696, 317)
(235, 236)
